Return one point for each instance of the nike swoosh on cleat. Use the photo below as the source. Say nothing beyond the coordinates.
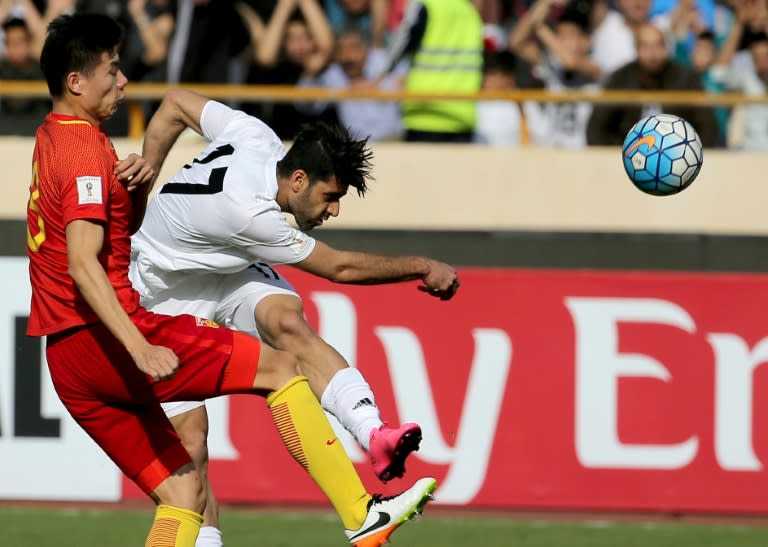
(330, 442)
(382, 521)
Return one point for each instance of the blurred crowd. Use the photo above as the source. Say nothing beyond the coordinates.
(435, 46)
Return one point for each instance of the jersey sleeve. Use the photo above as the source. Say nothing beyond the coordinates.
(222, 123)
(270, 237)
(85, 180)
(215, 118)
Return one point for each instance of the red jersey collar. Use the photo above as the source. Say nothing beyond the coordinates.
(67, 117)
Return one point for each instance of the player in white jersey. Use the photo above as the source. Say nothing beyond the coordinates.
(212, 231)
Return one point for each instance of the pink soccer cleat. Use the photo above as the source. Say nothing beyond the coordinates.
(390, 447)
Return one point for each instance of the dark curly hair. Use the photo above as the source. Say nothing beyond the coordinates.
(325, 149)
(75, 43)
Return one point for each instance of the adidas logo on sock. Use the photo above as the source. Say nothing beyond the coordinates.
(363, 402)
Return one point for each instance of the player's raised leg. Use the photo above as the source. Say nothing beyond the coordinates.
(305, 430)
(341, 389)
(301, 423)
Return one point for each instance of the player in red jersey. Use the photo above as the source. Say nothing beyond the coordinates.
(111, 361)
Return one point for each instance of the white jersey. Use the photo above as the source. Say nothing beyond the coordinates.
(218, 213)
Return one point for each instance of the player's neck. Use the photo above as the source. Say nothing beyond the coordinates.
(68, 108)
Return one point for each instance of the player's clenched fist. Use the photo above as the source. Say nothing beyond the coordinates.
(442, 281)
(157, 362)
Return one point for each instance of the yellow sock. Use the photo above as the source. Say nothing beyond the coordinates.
(174, 527)
(311, 441)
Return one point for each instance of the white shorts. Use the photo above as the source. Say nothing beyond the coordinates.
(176, 408)
(229, 299)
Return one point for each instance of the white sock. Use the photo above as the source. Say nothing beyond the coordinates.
(350, 399)
(209, 536)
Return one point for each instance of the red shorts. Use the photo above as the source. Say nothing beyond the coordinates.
(119, 406)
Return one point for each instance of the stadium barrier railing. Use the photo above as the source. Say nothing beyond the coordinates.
(138, 92)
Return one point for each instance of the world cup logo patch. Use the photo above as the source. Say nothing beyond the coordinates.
(202, 322)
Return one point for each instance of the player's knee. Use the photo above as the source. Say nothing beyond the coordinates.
(192, 427)
(195, 441)
(293, 329)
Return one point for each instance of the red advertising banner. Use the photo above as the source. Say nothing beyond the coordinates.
(542, 389)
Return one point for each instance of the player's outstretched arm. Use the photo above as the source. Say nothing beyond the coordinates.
(439, 279)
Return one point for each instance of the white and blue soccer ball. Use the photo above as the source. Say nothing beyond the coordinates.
(662, 154)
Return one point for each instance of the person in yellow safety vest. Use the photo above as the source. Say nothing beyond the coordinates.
(444, 39)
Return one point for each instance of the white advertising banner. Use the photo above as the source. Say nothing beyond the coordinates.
(43, 453)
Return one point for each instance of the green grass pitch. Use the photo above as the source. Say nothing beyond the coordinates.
(59, 527)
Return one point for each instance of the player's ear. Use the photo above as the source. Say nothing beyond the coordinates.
(299, 180)
(74, 83)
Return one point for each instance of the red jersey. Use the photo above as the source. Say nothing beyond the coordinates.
(73, 179)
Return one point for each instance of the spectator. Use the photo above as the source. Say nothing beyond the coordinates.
(445, 41)
(653, 70)
(527, 51)
(613, 37)
(702, 59)
(494, 32)
(701, 56)
(395, 14)
(368, 15)
(523, 33)
(494, 12)
(684, 22)
(297, 41)
(8, 10)
(116, 9)
(357, 65)
(207, 36)
(749, 77)
(704, 9)
(35, 17)
(561, 62)
(499, 123)
(147, 40)
(20, 116)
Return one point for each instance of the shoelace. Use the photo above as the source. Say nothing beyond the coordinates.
(378, 498)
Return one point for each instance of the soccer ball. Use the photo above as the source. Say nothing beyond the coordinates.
(662, 154)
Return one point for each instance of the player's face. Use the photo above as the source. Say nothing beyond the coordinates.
(102, 89)
(317, 202)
